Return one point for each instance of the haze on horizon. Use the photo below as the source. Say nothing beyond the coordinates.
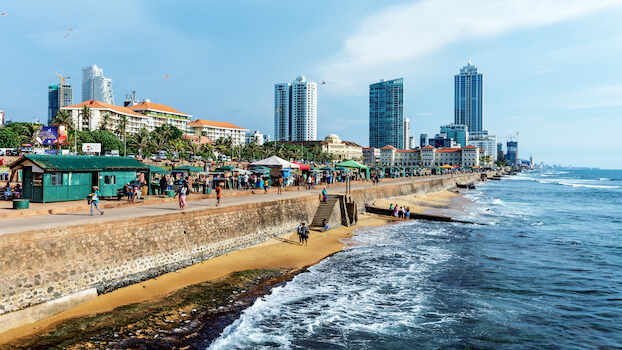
(551, 68)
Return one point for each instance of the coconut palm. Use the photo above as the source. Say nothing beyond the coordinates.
(63, 117)
(105, 121)
(121, 130)
(178, 146)
(141, 141)
(159, 143)
(86, 117)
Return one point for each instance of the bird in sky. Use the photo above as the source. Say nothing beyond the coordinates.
(166, 76)
(70, 30)
(323, 82)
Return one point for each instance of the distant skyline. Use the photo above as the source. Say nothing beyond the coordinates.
(552, 67)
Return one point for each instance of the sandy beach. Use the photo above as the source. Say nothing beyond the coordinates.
(282, 253)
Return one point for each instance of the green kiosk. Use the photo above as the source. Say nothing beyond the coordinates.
(53, 178)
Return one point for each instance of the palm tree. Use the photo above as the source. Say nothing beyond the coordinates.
(121, 127)
(178, 146)
(105, 121)
(221, 145)
(159, 143)
(63, 117)
(140, 140)
(86, 116)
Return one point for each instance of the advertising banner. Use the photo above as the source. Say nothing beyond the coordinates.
(92, 147)
(48, 135)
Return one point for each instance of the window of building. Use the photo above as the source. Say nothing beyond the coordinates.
(56, 178)
(109, 180)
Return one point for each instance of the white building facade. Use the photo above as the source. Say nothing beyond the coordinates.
(486, 142)
(371, 156)
(295, 116)
(215, 130)
(407, 134)
(135, 121)
(95, 86)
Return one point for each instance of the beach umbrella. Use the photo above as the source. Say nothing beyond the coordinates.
(446, 166)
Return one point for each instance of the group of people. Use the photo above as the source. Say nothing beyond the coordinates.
(10, 192)
(184, 190)
(303, 233)
(133, 190)
(400, 212)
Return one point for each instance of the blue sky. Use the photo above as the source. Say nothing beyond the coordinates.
(551, 68)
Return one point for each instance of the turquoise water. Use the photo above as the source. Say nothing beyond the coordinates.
(545, 274)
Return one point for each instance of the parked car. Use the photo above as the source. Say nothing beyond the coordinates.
(130, 155)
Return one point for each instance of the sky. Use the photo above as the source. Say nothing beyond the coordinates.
(552, 68)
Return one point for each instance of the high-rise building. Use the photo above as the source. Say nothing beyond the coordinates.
(406, 133)
(512, 155)
(95, 86)
(295, 116)
(1, 116)
(486, 142)
(458, 132)
(423, 140)
(411, 142)
(469, 98)
(386, 113)
(56, 101)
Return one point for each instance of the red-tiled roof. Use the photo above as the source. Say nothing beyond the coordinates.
(428, 147)
(407, 150)
(105, 106)
(198, 139)
(156, 107)
(448, 150)
(469, 146)
(388, 147)
(213, 124)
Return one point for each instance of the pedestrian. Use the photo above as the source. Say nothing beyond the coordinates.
(403, 214)
(299, 231)
(265, 185)
(94, 196)
(162, 184)
(309, 182)
(324, 196)
(391, 206)
(325, 224)
(280, 185)
(408, 213)
(395, 209)
(218, 190)
(304, 234)
(182, 192)
(129, 192)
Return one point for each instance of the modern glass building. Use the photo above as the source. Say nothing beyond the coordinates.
(458, 132)
(469, 98)
(95, 86)
(386, 114)
(295, 115)
(56, 101)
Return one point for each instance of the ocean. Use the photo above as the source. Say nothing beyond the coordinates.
(546, 273)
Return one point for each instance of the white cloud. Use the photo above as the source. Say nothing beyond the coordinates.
(405, 32)
(593, 97)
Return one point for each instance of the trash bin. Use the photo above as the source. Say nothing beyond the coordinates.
(21, 203)
(170, 193)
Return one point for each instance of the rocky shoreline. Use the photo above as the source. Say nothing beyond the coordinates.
(190, 318)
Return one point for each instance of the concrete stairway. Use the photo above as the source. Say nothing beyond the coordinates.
(324, 211)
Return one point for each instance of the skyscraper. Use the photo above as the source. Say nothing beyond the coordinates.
(56, 101)
(295, 116)
(407, 133)
(95, 86)
(423, 140)
(469, 98)
(386, 113)
(457, 132)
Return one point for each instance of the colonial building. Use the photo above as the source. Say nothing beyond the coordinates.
(215, 130)
(342, 150)
(429, 156)
(371, 156)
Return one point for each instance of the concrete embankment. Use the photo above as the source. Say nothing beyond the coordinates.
(47, 271)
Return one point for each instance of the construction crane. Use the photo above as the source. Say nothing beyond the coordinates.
(62, 82)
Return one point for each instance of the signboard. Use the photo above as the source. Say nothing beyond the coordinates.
(51, 151)
(92, 147)
(48, 135)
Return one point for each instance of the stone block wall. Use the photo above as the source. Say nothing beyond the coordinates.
(45, 265)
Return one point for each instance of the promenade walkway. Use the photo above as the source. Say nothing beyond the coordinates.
(74, 215)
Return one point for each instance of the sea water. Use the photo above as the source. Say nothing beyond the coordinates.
(546, 273)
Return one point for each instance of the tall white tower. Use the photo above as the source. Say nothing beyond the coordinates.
(406, 133)
(95, 86)
(295, 117)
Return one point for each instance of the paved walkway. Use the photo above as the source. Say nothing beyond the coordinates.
(161, 207)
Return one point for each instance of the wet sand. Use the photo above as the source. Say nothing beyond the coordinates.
(423, 203)
(280, 253)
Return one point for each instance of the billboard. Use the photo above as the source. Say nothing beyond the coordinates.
(92, 147)
(48, 135)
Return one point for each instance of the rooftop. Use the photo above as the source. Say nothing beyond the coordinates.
(156, 107)
(213, 124)
(93, 104)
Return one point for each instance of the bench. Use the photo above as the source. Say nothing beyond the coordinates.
(120, 193)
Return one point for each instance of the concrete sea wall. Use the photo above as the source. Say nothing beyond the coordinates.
(42, 266)
(45, 272)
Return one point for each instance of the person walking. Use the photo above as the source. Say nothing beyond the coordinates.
(218, 190)
(280, 185)
(324, 196)
(95, 200)
(309, 182)
(163, 184)
(182, 192)
(299, 231)
(304, 234)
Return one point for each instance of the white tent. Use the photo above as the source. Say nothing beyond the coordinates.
(276, 162)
